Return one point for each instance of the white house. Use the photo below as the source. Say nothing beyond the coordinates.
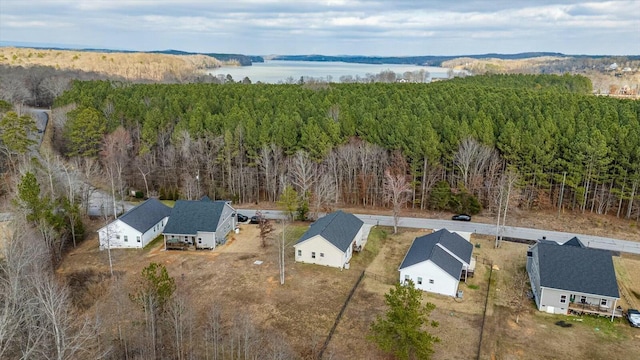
(330, 240)
(436, 262)
(572, 278)
(135, 228)
(202, 224)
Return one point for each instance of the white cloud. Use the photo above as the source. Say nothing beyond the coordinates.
(329, 26)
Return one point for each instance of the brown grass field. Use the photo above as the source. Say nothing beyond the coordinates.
(131, 66)
(303, 310)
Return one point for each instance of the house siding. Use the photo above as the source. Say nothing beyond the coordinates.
(119, 228)
(113, 235)
(533, 269)
(332, 255)
(225, 224)
(205, 240)
(550, 300)
(443, 283)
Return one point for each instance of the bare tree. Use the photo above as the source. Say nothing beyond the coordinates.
(471, 159)
(396, 191)
(265, 227)
(324, 193)
(115, 156)
(303, 173)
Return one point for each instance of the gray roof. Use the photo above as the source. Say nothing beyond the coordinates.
(578, 269)
(339, 228)
(574, 241)
(144, 216)
(425, 248)
(189, 217)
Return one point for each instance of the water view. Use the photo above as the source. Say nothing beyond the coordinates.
(279, 71)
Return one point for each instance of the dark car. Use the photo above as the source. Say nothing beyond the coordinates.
(633, 316)
(461, 217)
(242, 218)
(255, 220)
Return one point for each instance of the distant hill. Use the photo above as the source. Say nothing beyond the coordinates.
(430, 60)
(244, 60)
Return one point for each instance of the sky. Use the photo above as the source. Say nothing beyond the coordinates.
(330, 27)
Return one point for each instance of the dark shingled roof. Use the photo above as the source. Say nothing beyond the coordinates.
(144, 216)
(574, 242)
(189, 217)
(574, 268)
(424, 248)
(339, 228)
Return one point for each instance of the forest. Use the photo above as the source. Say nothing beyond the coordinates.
(466, 144)
(545, 135)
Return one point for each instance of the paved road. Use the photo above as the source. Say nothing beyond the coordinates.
(596, 242)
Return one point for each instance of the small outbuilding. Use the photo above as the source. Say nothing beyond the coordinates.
(200, 224)
(330, 240)
(135, 228)
(436, 262)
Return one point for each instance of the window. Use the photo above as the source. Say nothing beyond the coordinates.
(321, 254)
(138, 238)
(299, 252)
(563, 299)
(430, 281)
(419, 280)
(126, 238)
(407, 278)
(118, 237)
(603, 302)
(583, 299)
(199, 240)
(313, 255)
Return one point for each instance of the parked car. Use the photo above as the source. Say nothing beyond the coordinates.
(461, 217)
(242, 218)
(254, 220)
(633, 316)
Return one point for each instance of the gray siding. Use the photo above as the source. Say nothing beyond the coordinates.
(225, 224)
(533, 268)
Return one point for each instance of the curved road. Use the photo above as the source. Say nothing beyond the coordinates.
(597, 242)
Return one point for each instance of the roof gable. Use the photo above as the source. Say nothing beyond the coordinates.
(189, 217)
(574, 241)
(424, 247)
(338, 228)
(144, 216)
(574, 268)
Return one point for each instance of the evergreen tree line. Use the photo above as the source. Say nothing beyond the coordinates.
(335, 141)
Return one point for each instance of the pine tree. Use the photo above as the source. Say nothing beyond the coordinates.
(401, 331)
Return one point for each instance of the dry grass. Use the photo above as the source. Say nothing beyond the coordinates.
(131, 66)
(304, 308)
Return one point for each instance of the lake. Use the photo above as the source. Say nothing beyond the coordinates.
(277, 71)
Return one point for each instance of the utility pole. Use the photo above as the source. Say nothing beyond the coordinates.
(281, 255)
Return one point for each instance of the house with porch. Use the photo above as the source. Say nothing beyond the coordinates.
(136, 228)
(199, 224)
(437, 262)
(331, 240)
(571, 278)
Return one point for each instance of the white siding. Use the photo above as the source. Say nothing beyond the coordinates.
(443, 283)
(317, 250)
(118, 235)
(123, 236)
(154, 232)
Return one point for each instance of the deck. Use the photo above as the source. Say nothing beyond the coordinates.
(580, 309)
